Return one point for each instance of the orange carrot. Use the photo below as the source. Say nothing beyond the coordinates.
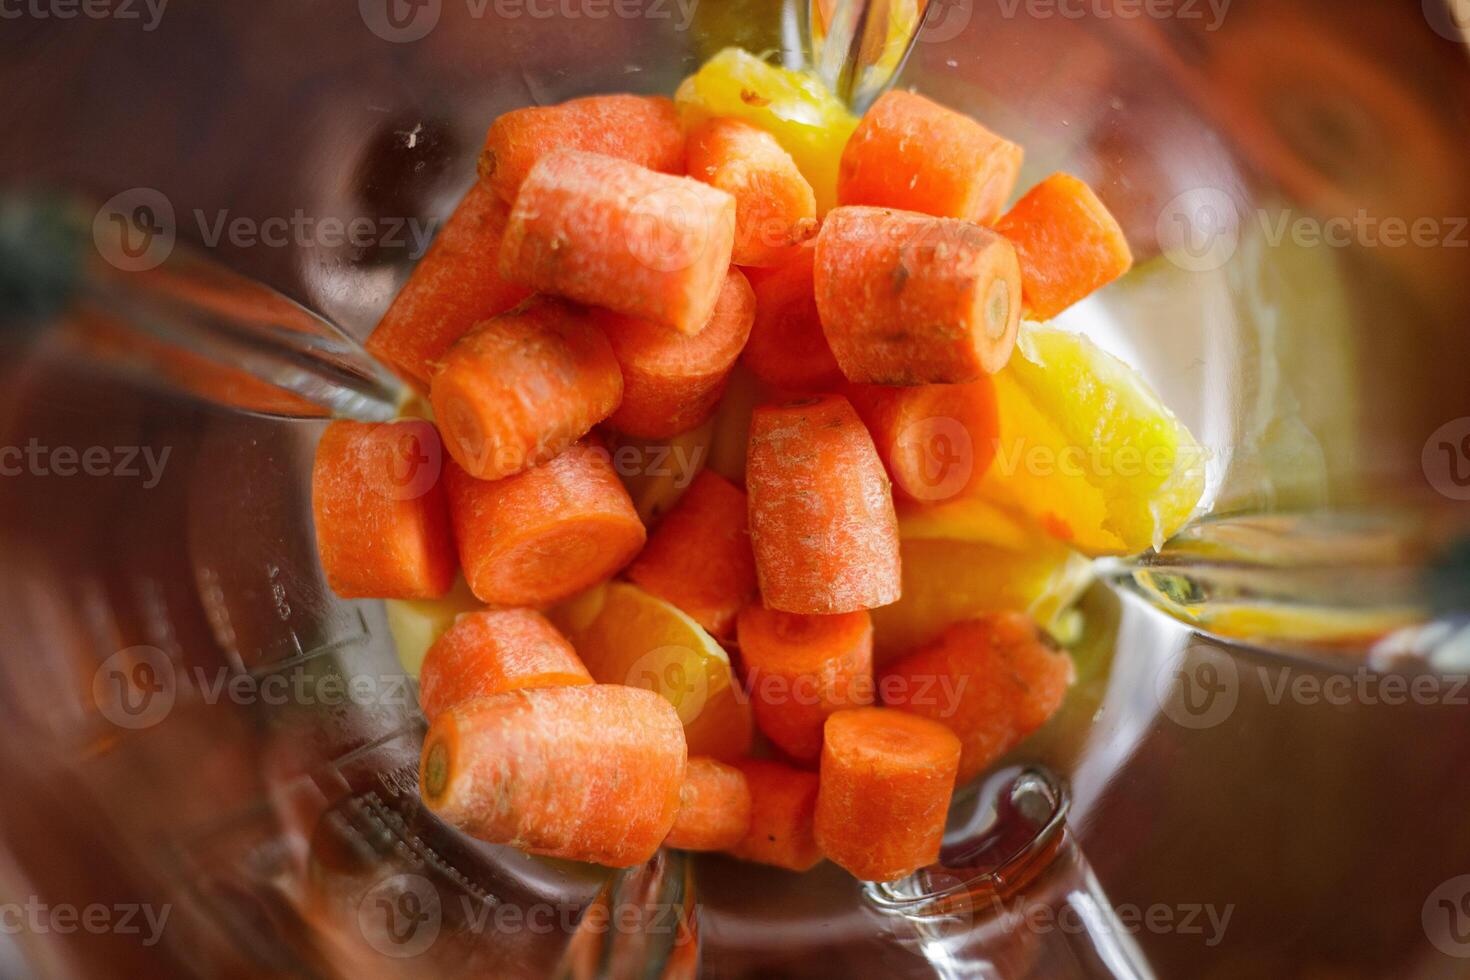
(714, 807)
(542, 535)
(911, 153)
(611, 233)
(783, 801)
(936, 441)
(494, 651)
(454, 286)
(381, 526)
(641, 129)
(519, 388)
(992, 680)
(884, 790)
(1068, 243)
(699, 557)
(672, 381)
(908, 299)
(801, 669)
(787, 347)
(775, 208)
(821, 515)
(587, 773)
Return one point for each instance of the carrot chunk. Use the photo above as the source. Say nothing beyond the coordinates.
(883, 791)
(787, 347)
(699, 557)
(523, 386)
(494, 651)
(908, 299)
(672, 381)
(714, 807)
(801, 669)
(381, 526)
(1068, 242)
(821, 515)
(783, 802)
(912, 153)
(542, 535)
(588, 773)
(638, 128)
(999, 682)
(613, 234)
(936, 441)
(775, 209)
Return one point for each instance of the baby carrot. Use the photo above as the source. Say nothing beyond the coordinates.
(883, 791)
(494, 651)
(908, 299)
(454, 286)
(775, 208)
(381, 526)
(588, 773)
(801, 669)
(714, 807)
(640, 129)
(787, 347)
(672, 381)
(821, 515)
(783, 801)
(936, 441)
(699, 556)
(911, 153)
(1000, 682)
(1068, 243)
(613, 234)
(521, 387)
(542, 535)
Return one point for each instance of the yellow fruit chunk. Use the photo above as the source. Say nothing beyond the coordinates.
(1086, 451)
(947, 581)
(807, 120)
(416, 623)
(656, 472)
(626, 636)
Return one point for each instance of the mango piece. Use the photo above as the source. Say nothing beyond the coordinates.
(416, 623)
(807, 120)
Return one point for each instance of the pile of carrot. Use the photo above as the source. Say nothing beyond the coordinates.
(603, 276)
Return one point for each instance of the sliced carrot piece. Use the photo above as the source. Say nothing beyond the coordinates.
(542, 535)
(641, 129)
(884, 790)
(454, 286)
(908, 299)
(672, 381)
(613, 234)
(381, 527)
(523, 386)
(699, 557)
(821, 515)
(787, 347)
(998, 681)
(801, 669)
(714, 807)
(936, 441)
(783, 802)
(912, 153)
(775, 209)
(588, 773)
(1068, 242)
(494, 651)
